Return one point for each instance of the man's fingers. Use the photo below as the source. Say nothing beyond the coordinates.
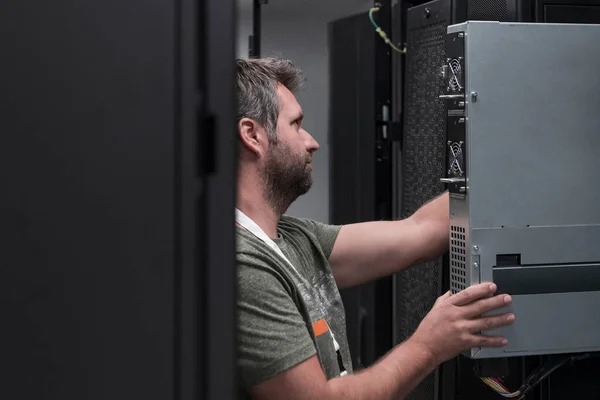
(486, 323)
(489, 341)
(473, 293)
(443, 297)
(482, 306)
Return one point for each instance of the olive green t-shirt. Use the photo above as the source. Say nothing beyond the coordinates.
(286, 315)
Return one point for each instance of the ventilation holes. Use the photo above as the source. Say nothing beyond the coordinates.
(458, 259)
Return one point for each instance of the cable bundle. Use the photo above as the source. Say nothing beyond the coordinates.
(498, 386)
(532, 380)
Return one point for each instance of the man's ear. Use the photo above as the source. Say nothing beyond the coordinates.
(252, 136)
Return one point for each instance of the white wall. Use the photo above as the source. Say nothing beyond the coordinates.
(298, 30)
(244, 26)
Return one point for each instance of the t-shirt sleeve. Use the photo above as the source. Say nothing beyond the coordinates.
(272, 334)
(326, 234)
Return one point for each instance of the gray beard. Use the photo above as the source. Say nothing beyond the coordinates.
(285, 178)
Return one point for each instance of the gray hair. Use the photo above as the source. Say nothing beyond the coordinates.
(257, 97)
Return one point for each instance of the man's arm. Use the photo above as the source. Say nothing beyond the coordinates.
(450, 327)
(276, 354)
(393, 377)
(370, 250)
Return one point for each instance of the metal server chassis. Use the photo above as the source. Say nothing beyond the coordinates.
(523, 131)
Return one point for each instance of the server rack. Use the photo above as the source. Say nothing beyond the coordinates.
(360, 142)
(423, 161)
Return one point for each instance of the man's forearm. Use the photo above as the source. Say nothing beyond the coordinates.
(369, 250)
(434, 217)
(437, 209)
(393, 377)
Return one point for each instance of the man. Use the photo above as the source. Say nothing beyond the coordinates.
(292, 341)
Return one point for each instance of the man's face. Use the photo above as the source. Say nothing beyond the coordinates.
(288, 166)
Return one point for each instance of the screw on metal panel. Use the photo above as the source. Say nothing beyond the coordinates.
(476, 265)
(474, 97)
(475, 248)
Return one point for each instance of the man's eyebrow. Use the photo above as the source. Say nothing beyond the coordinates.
(299, 116)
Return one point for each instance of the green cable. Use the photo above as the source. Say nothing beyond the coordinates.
(371, 16)
(382, 33)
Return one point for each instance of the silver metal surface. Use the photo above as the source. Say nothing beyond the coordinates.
(451, 96)
(452, 180)
(534, 113)
(444, 71)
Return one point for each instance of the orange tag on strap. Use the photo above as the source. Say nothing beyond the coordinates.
(320, 327)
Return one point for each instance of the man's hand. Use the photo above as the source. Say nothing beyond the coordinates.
(451, 325)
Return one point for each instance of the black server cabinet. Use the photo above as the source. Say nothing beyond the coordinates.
(117, 167)
(422, 163)
(423, 158)
(360, 164)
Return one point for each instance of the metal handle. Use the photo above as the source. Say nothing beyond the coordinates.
(444, 71)
(452, 180)
(452, 96)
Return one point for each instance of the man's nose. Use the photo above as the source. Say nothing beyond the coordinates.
(311, 144)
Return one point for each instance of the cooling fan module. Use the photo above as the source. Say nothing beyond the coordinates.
(455, 82)
(456, 165)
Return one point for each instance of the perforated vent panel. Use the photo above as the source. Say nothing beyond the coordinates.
(424, 150)
(424, 129)
(487, 10)
(458, 259)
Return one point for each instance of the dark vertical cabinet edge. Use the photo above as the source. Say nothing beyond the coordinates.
(190, 309)
(383, 297)
(219, 356)
(206, 346)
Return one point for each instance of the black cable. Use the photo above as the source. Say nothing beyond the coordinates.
(543, 371)
(538, 375)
